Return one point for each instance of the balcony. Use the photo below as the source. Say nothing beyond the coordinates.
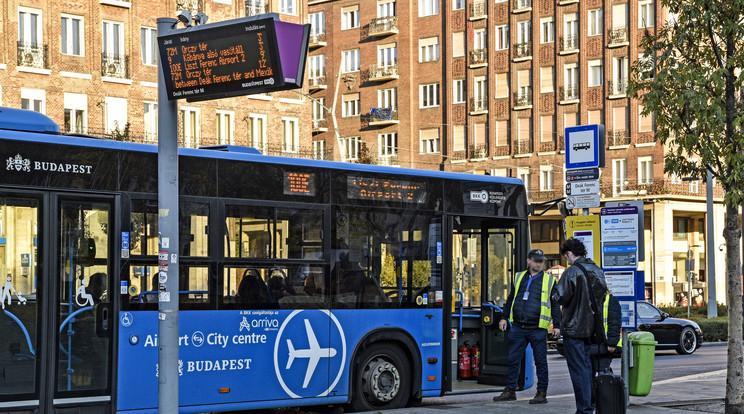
(618, 138)
(501, 151)
(320, 125)
(618, 36)
(523, 147)
(317, 83)
(383, 26)
(386, 160)
(523, 98)
(478, 10)
(458, 155)
(478, 151)
(523, 50)
(617, 88)
(569, 93)
(569, 44)
(254, 7)
(33, 55)
(317, 40)
(521, 6)
(478, 105)
(478, 58)
(194, 6)
(383, 116)
(383, 73)
(547, 146)
(114, 66)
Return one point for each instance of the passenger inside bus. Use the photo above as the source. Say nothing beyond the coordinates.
(97, 287)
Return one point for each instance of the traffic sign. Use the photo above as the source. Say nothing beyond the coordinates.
(582, 201)
(585, 146)
(582, 174)
(582, 187)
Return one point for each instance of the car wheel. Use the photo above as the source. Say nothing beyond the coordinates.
(382, 379)
(687, 341)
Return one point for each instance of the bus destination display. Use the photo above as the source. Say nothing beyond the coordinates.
(377, 189)
(297, 183)
(221, 60)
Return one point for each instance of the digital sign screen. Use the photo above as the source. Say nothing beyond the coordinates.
(221, 60)
(380, 189)
(298, 183)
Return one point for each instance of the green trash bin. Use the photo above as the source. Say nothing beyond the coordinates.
(641, 374)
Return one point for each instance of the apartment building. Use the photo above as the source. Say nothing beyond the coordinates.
(92, 67)
(488, 87)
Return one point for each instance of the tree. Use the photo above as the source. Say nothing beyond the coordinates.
(692, 85)
(364, 156)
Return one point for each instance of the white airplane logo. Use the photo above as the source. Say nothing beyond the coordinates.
(314, 353)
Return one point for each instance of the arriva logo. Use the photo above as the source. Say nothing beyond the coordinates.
(481, 196)
(304, 345)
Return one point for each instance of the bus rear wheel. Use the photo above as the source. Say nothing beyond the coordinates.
(382, 379)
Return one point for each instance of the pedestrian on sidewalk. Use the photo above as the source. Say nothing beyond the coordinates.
(529, 308)
(581, 292)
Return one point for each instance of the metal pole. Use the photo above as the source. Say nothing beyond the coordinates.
(710, 252)
(689, 292)
(168, 246)
(625, 361)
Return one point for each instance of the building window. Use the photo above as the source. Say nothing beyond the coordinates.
(113, 39)
(30, 31)
(319, 150)
(680, 227)
(458, 44)
(547, 30)
(480, 38)
(646, 123)
(429, 143)
(385, 8)
(316, 67)
(428, 7)
(225, 127)
(257, 129)
(480, 134)
(596, 117)
(151, 121)
(287, 7)
(387, 55)
(429, 49)
(460, 91)
(350, 105)
(458, 4)
(459, 139)
(318, 111)
(149, 46)
(387, 98)
(524, 175)
(547, 75)
(546, 178)
(595, 72)
(694, 184)
(350, 17)
(429, 95)
(290, 135)
(620, 16)
(33, 100)
(524, 32)
(525, 132)
(645, 170)
(387, 144)
(619, 176)
(317, 23)
(595, 22)
(350, 148)
(351, 61)
(189, 126)
(72, 35)
(646, 13)
(502, 37)
(619, 75)
(76, 107)
(502, 85)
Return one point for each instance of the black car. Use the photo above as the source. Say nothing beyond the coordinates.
(682, 335)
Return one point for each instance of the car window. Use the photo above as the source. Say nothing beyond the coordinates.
(647, 311)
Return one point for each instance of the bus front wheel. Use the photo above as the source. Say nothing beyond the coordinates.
(382, 379)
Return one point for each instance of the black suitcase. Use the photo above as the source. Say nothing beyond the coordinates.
(609, 393)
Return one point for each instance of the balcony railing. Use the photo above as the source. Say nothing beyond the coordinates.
(478, 57)
(458, 155)
(318, 82)
(479, 151)
(501, 150)
(522, 50)
(34, 55)
(478, 10)
(523, 97)
(478, 104)
(618, 137)
(386, 72)
(383, 116)
(524, 147)
(386, 160)
(320, 125)
(254, 8)
(618, 35)
(115, 66)
(570, 42)
(569, 92)
(318, 40)
(522, 5)
(383, 26)
(617, 87)
(547, 146)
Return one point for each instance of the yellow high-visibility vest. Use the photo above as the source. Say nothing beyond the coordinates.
(604, 318)
(547, 286)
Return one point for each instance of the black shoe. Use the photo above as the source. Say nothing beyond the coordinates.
(540, 398)
(507, 395)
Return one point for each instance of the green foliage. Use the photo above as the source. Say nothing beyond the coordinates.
(714, 330)
(694, 90)
(119, 134)
(696, 312)
(364, 157)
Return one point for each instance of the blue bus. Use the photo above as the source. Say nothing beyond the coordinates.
(302, 282)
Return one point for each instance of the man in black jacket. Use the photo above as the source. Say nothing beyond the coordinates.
(530, 309)
(581, 288)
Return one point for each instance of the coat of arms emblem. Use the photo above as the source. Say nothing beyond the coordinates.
(18, 163)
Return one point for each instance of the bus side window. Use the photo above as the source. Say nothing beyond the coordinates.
(252, 289)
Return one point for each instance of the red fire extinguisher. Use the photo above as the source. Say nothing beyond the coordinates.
(475, 360)
(463, 361)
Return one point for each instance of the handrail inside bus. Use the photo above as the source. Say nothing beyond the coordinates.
(23, 328)
(141, 295)
(461, 315)
(72, 315)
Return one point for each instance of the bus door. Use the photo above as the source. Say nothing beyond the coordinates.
(82, 346)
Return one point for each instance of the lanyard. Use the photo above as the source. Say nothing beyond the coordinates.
(527, 291)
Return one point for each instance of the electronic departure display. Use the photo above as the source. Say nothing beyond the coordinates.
(221, 60)
(298, 183)
(378, 189)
